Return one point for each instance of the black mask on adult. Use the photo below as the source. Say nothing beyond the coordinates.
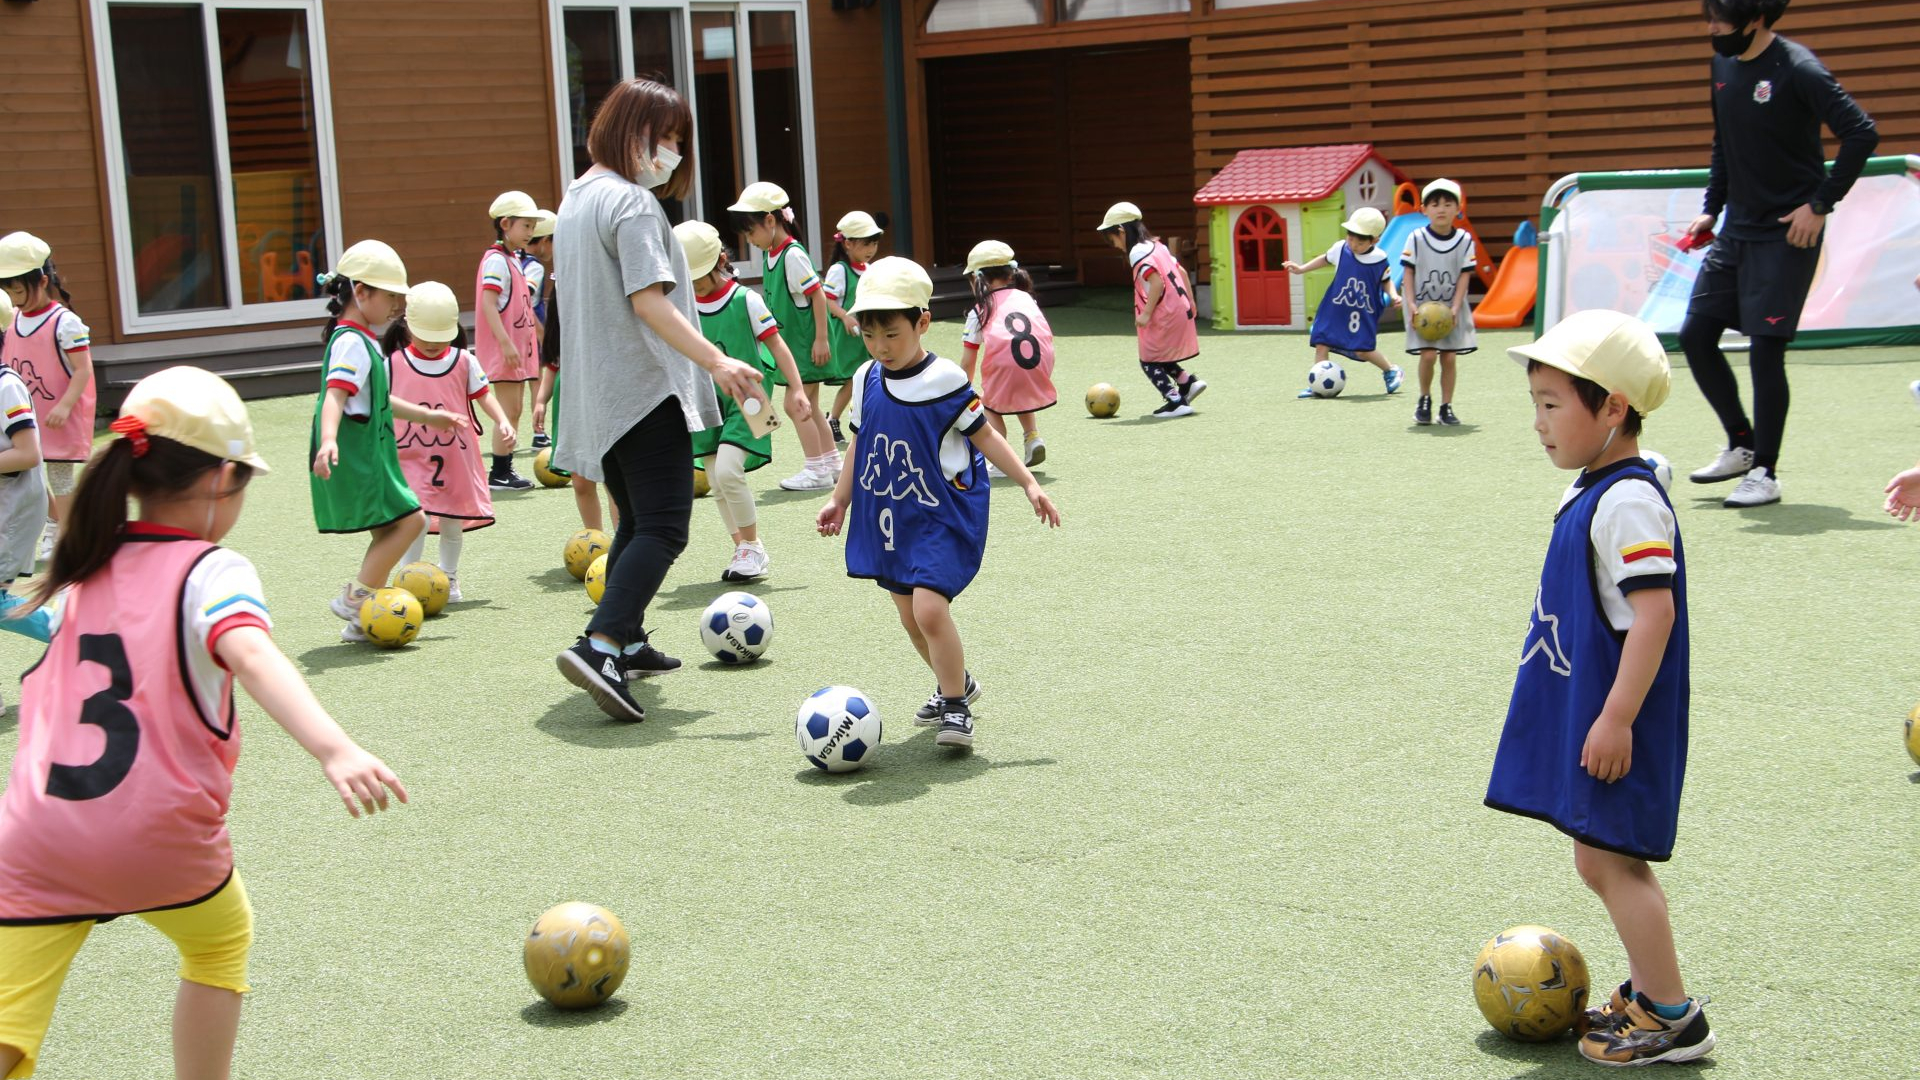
(1733, 44)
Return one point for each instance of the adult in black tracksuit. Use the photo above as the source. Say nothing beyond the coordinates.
(1770, 96)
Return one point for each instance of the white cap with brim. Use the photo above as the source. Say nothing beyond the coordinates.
(194, 406)
(1610, 348)
(433, 313)
(22, 253)
(1441, 186)
(6, 312)
(761, 197)
(543, 223)
(893, 284)
(1367, 222)
(989, 253)
(858, 225)
(1119, 214)
(513, 204)
(701, 242)
(373, 264)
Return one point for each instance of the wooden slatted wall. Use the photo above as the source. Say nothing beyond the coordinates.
(849, 116)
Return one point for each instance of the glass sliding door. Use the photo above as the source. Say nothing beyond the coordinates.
(778, 123)
(592, 65)
(717, 121)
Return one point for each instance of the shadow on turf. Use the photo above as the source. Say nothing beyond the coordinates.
(541, 1014)
(1560, 1058)
(1801, 519)
(1443, 431)
(341, 654)
(576, 719)
(555, 580)
(909, 770)
(696, 595)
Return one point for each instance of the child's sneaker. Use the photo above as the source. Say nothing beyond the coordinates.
(1757, 488)
(453, 589)
(1423, 410)
(1612, 1014)
(347, 604)
(833, 423)
(808, 479)
(1733, 463)
(1307, 394)
(645, 661)
(1643, 1038)
(1394, 377)
(1194, 388)
(956, 724)
(749, 562)
(929, 714)
(541, 441)
(602, 677)
(352, 634)
(1447, 417)
(1037, 448)
(508, 481)
(1172, 409)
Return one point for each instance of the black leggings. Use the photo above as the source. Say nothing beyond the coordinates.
(1168, 378)
(650, 476)
(1766, 363)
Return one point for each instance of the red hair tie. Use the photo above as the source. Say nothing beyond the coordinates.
(134, 430)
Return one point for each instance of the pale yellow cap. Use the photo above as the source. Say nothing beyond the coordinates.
(858, 225)
(893, 284)
(1441, 185)
(433, 313)
(1119, 214)
(6, 311)
(1616, 350)
(22, 253)
(513, 204)
(373, 263)
(1367, 222)
(194, 406)
(543, 222)
(989, 253)
(701, 242)
(762, 197)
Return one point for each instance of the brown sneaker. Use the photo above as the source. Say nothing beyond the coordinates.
(1644, 1038)
(1610, 1015)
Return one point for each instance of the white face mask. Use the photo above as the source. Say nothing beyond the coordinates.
(665, 160)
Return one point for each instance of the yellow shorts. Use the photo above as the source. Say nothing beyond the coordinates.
(213, 937)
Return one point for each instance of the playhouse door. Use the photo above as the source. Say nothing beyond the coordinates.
(1261, 282)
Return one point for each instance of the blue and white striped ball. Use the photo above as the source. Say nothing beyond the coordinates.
(1326, 379)
(736, 628)
(838, 728)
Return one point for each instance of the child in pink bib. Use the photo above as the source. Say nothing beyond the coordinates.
(50, 348)
(1164, 313)
(1013, 344)
(506, 332)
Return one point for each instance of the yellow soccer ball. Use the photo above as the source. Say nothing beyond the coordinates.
(391, 617)
(700, 485)
(597, 579)
(1103, 400)
(1913, 734)
(543, 470)
(582, 548)
(1433, 320)
(1531, 984)
(428, 583)
(576, 955)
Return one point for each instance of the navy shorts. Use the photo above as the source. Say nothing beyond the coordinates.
(1756, 286)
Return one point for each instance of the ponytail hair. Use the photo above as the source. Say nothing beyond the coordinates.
(46, 273)
(991, 279)
(338, 289)
(839, 251)
(96, 522)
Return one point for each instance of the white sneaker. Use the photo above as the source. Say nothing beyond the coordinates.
(994, 473)
(352, 633)
(749, 562)
(1733, 463)
(1036, 450)
(1757, 489)
(347, 604)
(808, 479)
(453, 590)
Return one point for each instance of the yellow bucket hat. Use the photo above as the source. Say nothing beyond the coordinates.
(543, 223)
(22, 253)
(1616, 350)
(373, 263)
(893, 284)
(990, 253)
(762, 197)
(1119, 214)
(433, 313)
(858, 225)
(701, 242)
(193, 406)
(513, 204)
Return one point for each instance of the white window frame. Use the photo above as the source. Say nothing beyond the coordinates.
(743, 38)
(237, 311)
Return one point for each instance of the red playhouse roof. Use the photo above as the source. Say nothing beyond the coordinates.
(1292, 174)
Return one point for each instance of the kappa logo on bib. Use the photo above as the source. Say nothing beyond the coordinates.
(1355, 295)
(890, 473)
(1763, 91)
(1543, 638)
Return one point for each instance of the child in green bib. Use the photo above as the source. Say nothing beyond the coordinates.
(357, 484)
(739, 323)
(855, 242)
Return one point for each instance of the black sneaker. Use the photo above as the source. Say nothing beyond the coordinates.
(508, 481)
(956, 724)
(602, 677)
(1423, 410)
(833, 422)
(541, 441)
(1195, 387)
(1172, 409)
(929, 714)
(1447, 417)
(646, 661)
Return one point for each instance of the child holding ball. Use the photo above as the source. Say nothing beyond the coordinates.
(1163, 311)
(1348, 318)
(1013, 344)
(1595, 741)
(117, 803)
(1437, 259)
(916, 512)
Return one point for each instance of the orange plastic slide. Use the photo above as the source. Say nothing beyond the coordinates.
(1509, 299)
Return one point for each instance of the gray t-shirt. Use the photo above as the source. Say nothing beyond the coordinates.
(612, 240)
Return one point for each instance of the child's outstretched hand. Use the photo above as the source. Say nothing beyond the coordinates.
(1293, 268)
(444, 420)
(325, 458)
(1608, 752)
(356, 774)
(1903, 495)
(831, 517)
(1043, 507)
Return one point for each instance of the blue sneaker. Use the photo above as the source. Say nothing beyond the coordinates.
(1305, 394)
(1394, 376)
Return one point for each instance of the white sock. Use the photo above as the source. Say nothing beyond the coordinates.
(451, 538)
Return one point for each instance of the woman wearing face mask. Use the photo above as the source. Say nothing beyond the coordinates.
(640, 374)
(1770, 97)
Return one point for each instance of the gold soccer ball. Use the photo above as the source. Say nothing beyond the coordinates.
(582, 548)
(1913, 734)
(700, 485)
(391, 617)
(543, 470)
(1102, 400)
(1433, 320)
(576, 955)
(597, 579)
(1531, 984)
(428, 584)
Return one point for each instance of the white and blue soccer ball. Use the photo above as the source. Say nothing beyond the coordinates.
(736, 628)
(1662, 468)
(1326, 379)
(838, 729)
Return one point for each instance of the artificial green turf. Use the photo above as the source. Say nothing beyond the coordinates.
(1223, 819)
